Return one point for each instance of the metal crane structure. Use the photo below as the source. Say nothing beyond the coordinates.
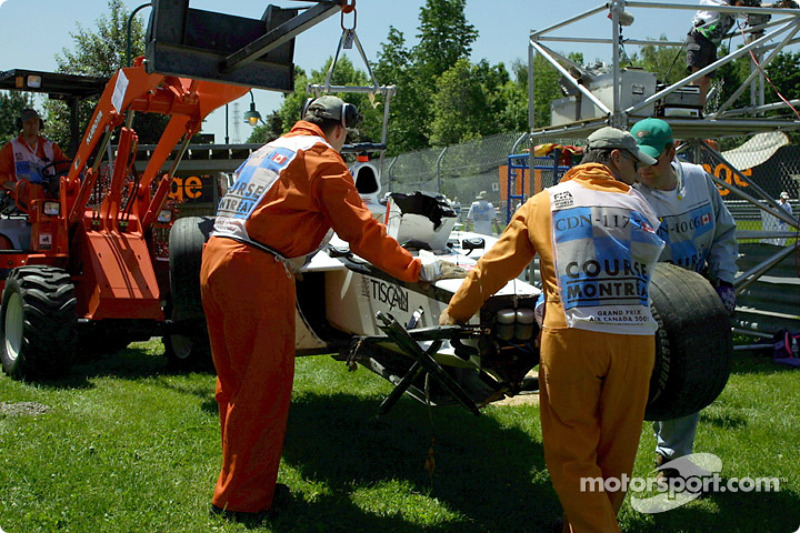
(622, 96)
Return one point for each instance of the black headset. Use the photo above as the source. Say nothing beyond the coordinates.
(19, 121)
(350, 116)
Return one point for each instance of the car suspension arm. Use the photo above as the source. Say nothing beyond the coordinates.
(423, 361)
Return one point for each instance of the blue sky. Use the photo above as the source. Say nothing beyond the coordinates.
(32, 32)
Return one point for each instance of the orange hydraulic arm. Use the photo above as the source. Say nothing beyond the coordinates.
(131, 89)
(118, 279)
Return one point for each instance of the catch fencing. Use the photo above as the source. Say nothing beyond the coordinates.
(750, 178)
(459, 171)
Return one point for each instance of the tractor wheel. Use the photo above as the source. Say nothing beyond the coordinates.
(694, 343)
(38, 321)
(188, 348)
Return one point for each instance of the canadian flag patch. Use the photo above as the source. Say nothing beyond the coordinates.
(279, 158)
(705, 219)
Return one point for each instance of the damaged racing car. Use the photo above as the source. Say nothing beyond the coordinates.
(348, 308)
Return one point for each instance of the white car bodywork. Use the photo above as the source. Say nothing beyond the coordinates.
(353, 298)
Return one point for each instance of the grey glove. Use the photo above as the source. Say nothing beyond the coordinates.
(437, 270)
(430, 272)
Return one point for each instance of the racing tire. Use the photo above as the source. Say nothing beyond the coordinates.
(188, 347)
(694, 343)
(186, 239)
(38, 322)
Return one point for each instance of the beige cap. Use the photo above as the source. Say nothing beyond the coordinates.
(612, 138)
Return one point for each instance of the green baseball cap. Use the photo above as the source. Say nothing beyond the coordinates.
(652, 135)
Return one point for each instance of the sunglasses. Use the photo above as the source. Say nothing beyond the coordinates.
(629, 156)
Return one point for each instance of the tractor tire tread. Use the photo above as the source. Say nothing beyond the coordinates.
(49, 328)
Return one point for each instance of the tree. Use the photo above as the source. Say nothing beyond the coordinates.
(472, 101)
(514, 97)
(11, 105)
(546, 85)
(101, 53)
(459, 105)
(409, 117)
(445, 37)
(727, 79)
(667, 62)
(784, 71)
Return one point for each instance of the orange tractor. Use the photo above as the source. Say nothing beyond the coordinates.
(86, 260)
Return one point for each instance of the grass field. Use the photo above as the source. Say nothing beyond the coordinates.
(125, 446)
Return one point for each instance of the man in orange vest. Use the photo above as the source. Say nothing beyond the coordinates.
(287, 197)
(25, 158)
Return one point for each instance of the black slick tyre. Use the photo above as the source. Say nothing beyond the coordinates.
(186, 239)
(187, 348)
(694, 343)
(38, 322)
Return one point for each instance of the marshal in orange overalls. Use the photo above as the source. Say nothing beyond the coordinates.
(287, 196)
(596, 243)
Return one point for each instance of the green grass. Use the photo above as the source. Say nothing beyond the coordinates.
(755, 225)
(128, 447)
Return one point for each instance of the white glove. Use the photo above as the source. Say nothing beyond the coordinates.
(430, 272)
(434, 270)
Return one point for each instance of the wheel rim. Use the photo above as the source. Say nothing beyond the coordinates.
(13, 326)
(181, 346)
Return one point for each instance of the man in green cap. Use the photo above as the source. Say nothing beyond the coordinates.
(700, 235)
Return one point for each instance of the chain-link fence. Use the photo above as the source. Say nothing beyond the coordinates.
(751, 177)
(761, 167)
(462, 171)
(756, 174)
(458, 171)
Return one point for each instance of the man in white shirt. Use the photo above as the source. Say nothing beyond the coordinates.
(786, 206)
(482, 215)
(700, 235)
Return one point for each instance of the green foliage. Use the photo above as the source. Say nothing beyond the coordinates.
(784, 71)
(472, 101)
(459, 93)
(409, 110)
(344, 74)
(292, 103)
(546, 85)
(101, 53)
(667, 62)
(442, 97)
(727, 79)
(271, 130)
(445, 37)
(11, 105)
